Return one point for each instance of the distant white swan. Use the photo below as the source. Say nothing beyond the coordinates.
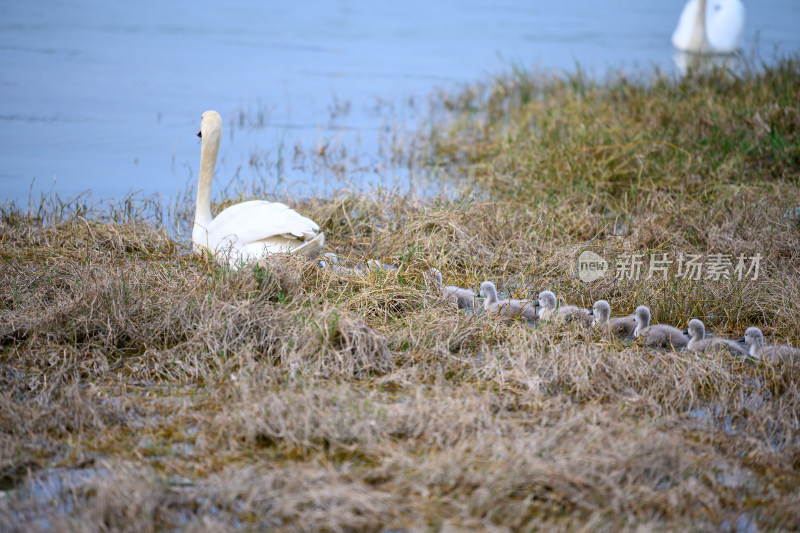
(247, 231)
(710, 27)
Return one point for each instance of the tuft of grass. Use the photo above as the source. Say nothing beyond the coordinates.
(145, 388)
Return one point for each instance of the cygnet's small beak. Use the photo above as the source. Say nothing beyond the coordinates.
(686, 332)
(200, 134)
(742, 340)
(536, 302)
(591, 311)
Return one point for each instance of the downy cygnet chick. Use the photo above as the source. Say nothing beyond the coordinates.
(699, 343)
(547, 303)
(777, 353)
(463, 298)
(620, 326)
(658, 334)
(374, 265)
(549, 310)
(507, 308)
(333, 263)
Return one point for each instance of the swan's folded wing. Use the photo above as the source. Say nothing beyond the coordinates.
(256, 220)
(725, 25)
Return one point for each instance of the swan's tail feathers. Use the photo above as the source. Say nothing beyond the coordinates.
(311, 248)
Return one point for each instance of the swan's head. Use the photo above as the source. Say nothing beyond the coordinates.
(642, 316)
(601, 311)
(437, 275)
(210, 125)
(547, 300)
(696, 329)
(488, 290)
(753, 336)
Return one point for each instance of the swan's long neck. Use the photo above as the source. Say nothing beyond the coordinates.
(208, 159)
(491, 296)
(642, 323)
(757, 348)
(699, 39)
(695, 335)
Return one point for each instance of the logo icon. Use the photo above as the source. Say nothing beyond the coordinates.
(592, 266)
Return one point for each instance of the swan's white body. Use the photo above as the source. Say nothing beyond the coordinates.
(248, 231)
(710, 27)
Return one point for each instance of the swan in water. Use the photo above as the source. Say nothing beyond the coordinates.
(710, 27)
(247, 231)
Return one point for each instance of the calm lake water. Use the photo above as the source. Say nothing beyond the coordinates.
(107, 96)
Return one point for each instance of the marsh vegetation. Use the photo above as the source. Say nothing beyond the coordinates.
(144, 388)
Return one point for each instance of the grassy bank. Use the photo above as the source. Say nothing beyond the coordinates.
(144, 388)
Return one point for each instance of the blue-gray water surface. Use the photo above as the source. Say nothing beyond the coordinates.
(107, 96)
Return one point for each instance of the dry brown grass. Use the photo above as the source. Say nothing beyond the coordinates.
(143, 388)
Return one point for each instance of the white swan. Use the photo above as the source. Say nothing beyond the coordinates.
(713, 27)
(247, 231)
